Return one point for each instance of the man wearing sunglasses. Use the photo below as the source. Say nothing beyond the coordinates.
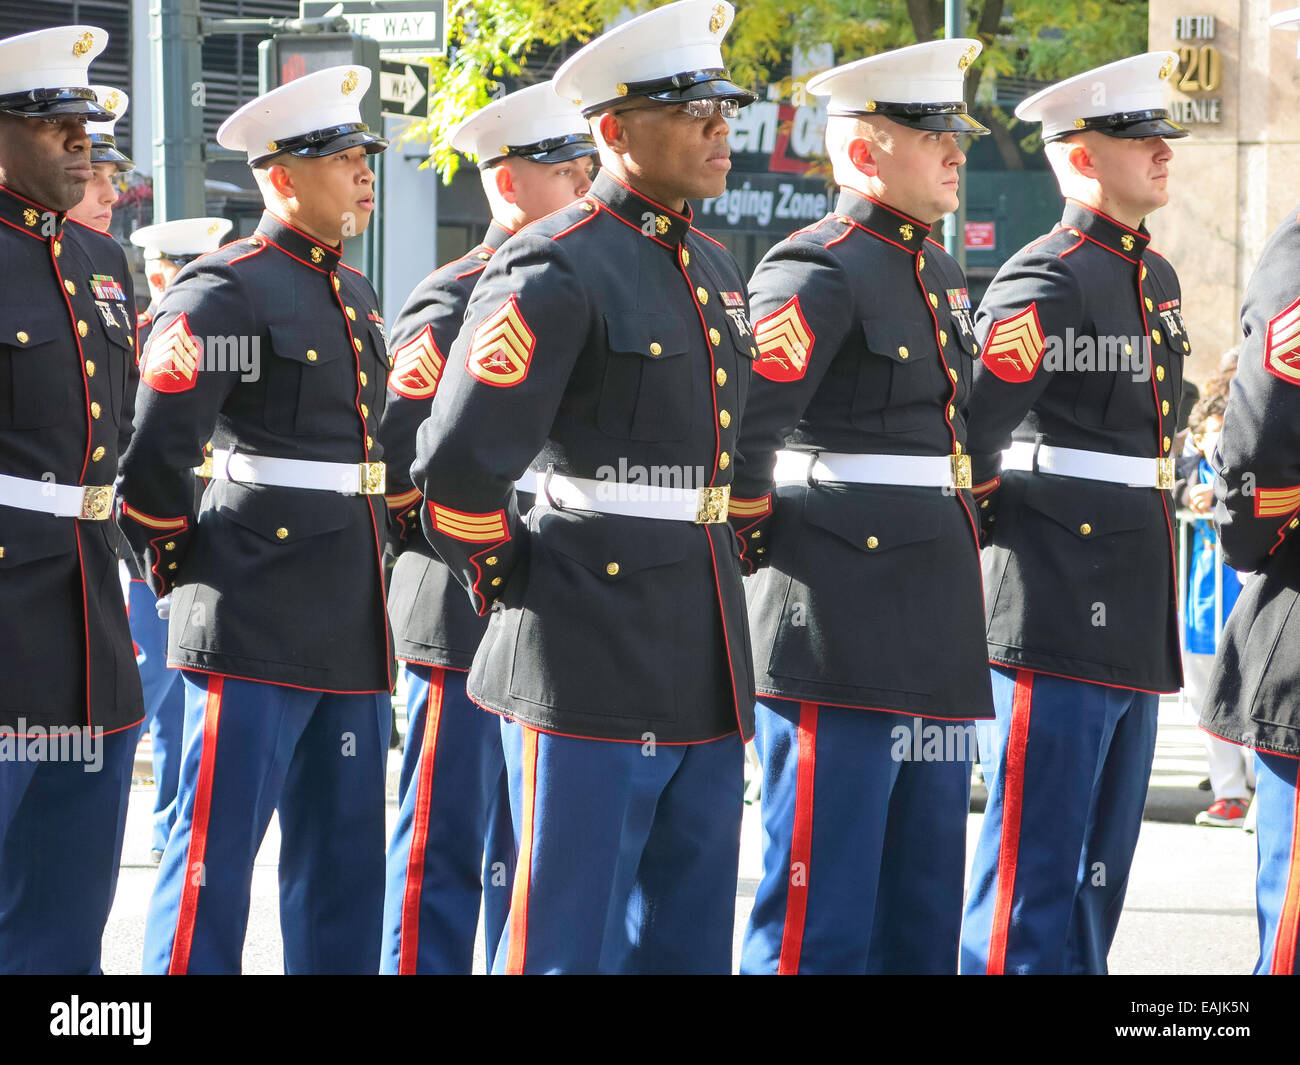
(453, 843)
(608, 347)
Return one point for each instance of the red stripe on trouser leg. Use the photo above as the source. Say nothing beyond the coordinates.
(194, 858)
(519, 895)
(410, 936)
(800, 873)
(1287, 920)
(1013, 802)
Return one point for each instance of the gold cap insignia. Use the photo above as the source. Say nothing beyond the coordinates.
(1079, 123)
(84, 44)
(661, 224)
(114, 98)
(212, 229)
(871, 105)
(270, 146)
(906, 230)
(717, 18)
(30, 216)
(317, 255)
(1127, 242)
(350, 83)
(967, 58)
(1170, 65)
(621, 89)
(504, 149)
(577, 103)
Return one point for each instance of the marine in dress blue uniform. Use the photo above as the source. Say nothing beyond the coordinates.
(1252, 693)
(598, 347)
(168, 246)
(67, 385)
(276, 351)
(1082, 345)
(106, 160)
(855, 489)
(453, 841)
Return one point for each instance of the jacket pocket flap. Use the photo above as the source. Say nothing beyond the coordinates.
(612, 547)
(291, 341)
(876, 520)
(1088, 509)
(657, 336)
(889, 337)
(283, 515)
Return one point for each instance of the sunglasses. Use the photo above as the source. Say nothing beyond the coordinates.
(726, 107)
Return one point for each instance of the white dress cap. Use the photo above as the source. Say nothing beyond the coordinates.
(922, 86)
(673, 53)
(45, 72)
(181, 238)
(317, 114)
(533, 123)
(103, 142)
(1123, 99)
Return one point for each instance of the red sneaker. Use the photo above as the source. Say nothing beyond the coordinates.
(1224, 813)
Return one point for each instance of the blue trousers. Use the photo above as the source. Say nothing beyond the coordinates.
(627, 854)
(164, 705)
(61, 826)
(1277, 883)
(1067, 769)
(864, 842)
(453, 843)
(318, 759)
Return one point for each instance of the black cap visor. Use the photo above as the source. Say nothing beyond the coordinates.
(550, 150)
(44, 103)
(689, 85)
(1130, 125)
(330, 141)
(103, 149)
(938, 118)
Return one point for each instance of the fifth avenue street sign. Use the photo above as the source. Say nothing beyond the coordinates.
(414, 26)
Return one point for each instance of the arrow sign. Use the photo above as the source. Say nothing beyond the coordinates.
(404, 89)
(418, 26)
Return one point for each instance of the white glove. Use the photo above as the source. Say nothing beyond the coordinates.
(164, 607)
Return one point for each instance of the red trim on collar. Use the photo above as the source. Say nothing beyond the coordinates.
(642, 195)
(1103, 214)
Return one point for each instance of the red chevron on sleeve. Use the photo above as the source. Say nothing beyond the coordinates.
(1282, 345)
(785, 343)
(1015, 346)
(417, 365)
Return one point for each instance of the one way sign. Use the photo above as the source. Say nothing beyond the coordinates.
(404, 89)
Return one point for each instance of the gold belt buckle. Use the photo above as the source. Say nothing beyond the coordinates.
(96, 502)
(373, 478)
(1165, 473)
(960, 471)
(712, 507)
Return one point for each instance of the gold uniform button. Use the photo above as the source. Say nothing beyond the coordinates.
(920, 262)
(943, 337)
(496, 582)
(756, 534)
(172, 565)
(336, 284)
(1155, 335)
(58, 248)
(1295, 523)
(656, 348)
(686, 257)
(720, 376)
(724, 460)
(1186, 346)
(903, 352)
(975, 348)
(363, 378)
(701, 295)
(872, 543)
(356, 343)
(1164, 408)
(130, 342)
(97, 454)
(1150, 306)
(724, 418)
(72, 289)
(90, 368)
(311, 355)
(22, 337)
(612, 569)
(82, 328)
(2, 552)
(1085, 529)
(952, 373)
(951, 411)
(95, 410)
(753, 353)
(934, 300)
(1168, 443)
(715, 337)
(491, 560)
(281, 533)
(370, 441)
(1160, 373)
(170, 545)
(984, 505)
(351, 313)
(1128, 349)
(365, 411)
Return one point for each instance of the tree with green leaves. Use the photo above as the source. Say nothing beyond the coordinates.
(523, 40)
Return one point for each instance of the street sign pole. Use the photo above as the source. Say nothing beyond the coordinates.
(176, 56)
(954, 225)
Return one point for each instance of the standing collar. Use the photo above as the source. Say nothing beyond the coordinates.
(665, 226)
(30, 217)
(294, 242)
(1102, 229)
(496, 235)
(899, 229)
